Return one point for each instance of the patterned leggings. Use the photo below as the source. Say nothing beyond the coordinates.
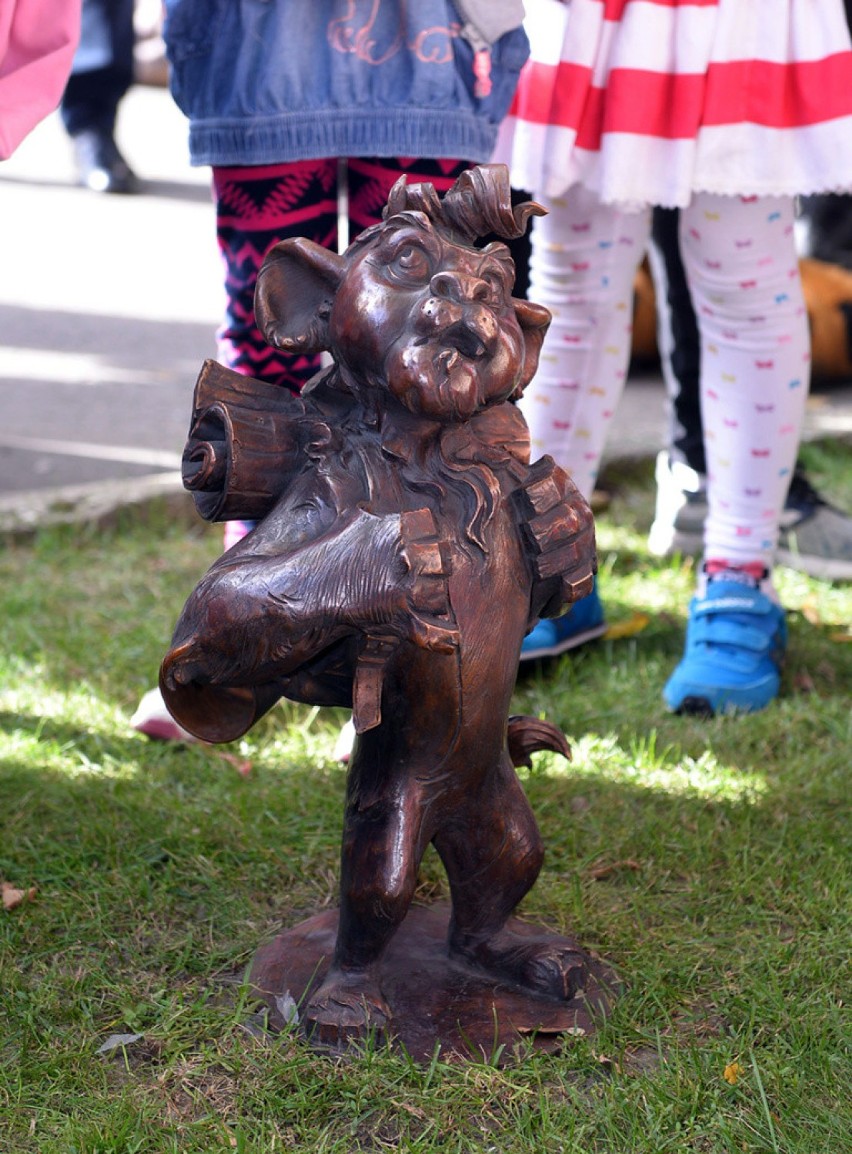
(260, 205)
(743, 276)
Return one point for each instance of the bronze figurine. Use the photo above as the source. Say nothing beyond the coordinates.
(406, 547)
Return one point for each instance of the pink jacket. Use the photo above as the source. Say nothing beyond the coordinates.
(37, 43)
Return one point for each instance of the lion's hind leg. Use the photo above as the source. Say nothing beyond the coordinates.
(493, 855)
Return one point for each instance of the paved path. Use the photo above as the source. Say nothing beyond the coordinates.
(108, 306)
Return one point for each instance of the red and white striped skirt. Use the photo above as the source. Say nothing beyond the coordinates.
(648, 101)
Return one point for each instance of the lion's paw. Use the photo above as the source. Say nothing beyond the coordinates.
(347, 1007)
(548, 965)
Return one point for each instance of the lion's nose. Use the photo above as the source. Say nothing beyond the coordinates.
(456, 285)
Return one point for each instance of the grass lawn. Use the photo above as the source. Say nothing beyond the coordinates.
(707, 859)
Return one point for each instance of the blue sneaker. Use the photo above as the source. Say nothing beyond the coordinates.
(735, 643)
(554, 635)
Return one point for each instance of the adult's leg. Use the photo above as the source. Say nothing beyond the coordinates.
(100, 76)
(583, 261)
(678, 341)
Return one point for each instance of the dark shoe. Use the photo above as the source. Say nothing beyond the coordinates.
(100, 166)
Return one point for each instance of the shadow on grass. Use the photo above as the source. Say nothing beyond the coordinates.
(713, 891)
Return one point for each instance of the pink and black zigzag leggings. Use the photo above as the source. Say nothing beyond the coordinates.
(260, 205)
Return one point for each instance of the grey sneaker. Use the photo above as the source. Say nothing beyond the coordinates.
(681, 510)
(815, 538)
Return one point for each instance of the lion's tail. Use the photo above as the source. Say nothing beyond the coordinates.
(528, 735)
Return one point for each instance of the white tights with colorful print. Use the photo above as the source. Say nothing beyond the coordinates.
(743, 274)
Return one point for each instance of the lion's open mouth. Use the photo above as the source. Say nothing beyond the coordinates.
(460, 341)
(447, 359)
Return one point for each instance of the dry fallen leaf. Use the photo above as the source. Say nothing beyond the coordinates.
(732, 1073)
(13, 897)
(117, 1041)
(629, 628)
(804, 682)
(811, 613)
(410, 1108)
(607, 869)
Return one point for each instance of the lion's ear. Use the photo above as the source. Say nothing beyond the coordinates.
(296, 287)
(534, 321)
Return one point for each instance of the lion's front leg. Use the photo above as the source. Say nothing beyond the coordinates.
(257, 618)
(558, 531)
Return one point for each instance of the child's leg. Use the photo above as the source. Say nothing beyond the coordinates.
(679, 341)
(744, 277)
(584, 259)
(259, 205)
(256, 207)
(743, 272)
(370, 180)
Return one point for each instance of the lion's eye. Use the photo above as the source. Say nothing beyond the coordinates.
(412, 262)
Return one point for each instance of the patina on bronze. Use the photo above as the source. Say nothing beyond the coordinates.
(406, 545)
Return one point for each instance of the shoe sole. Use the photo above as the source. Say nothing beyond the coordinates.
(563, 646)
(695, 707)
(728, 702)
(664, 542)
(823, 568)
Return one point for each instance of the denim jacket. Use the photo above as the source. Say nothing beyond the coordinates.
(269, 81)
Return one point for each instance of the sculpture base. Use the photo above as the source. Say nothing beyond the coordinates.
(434, 1000)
